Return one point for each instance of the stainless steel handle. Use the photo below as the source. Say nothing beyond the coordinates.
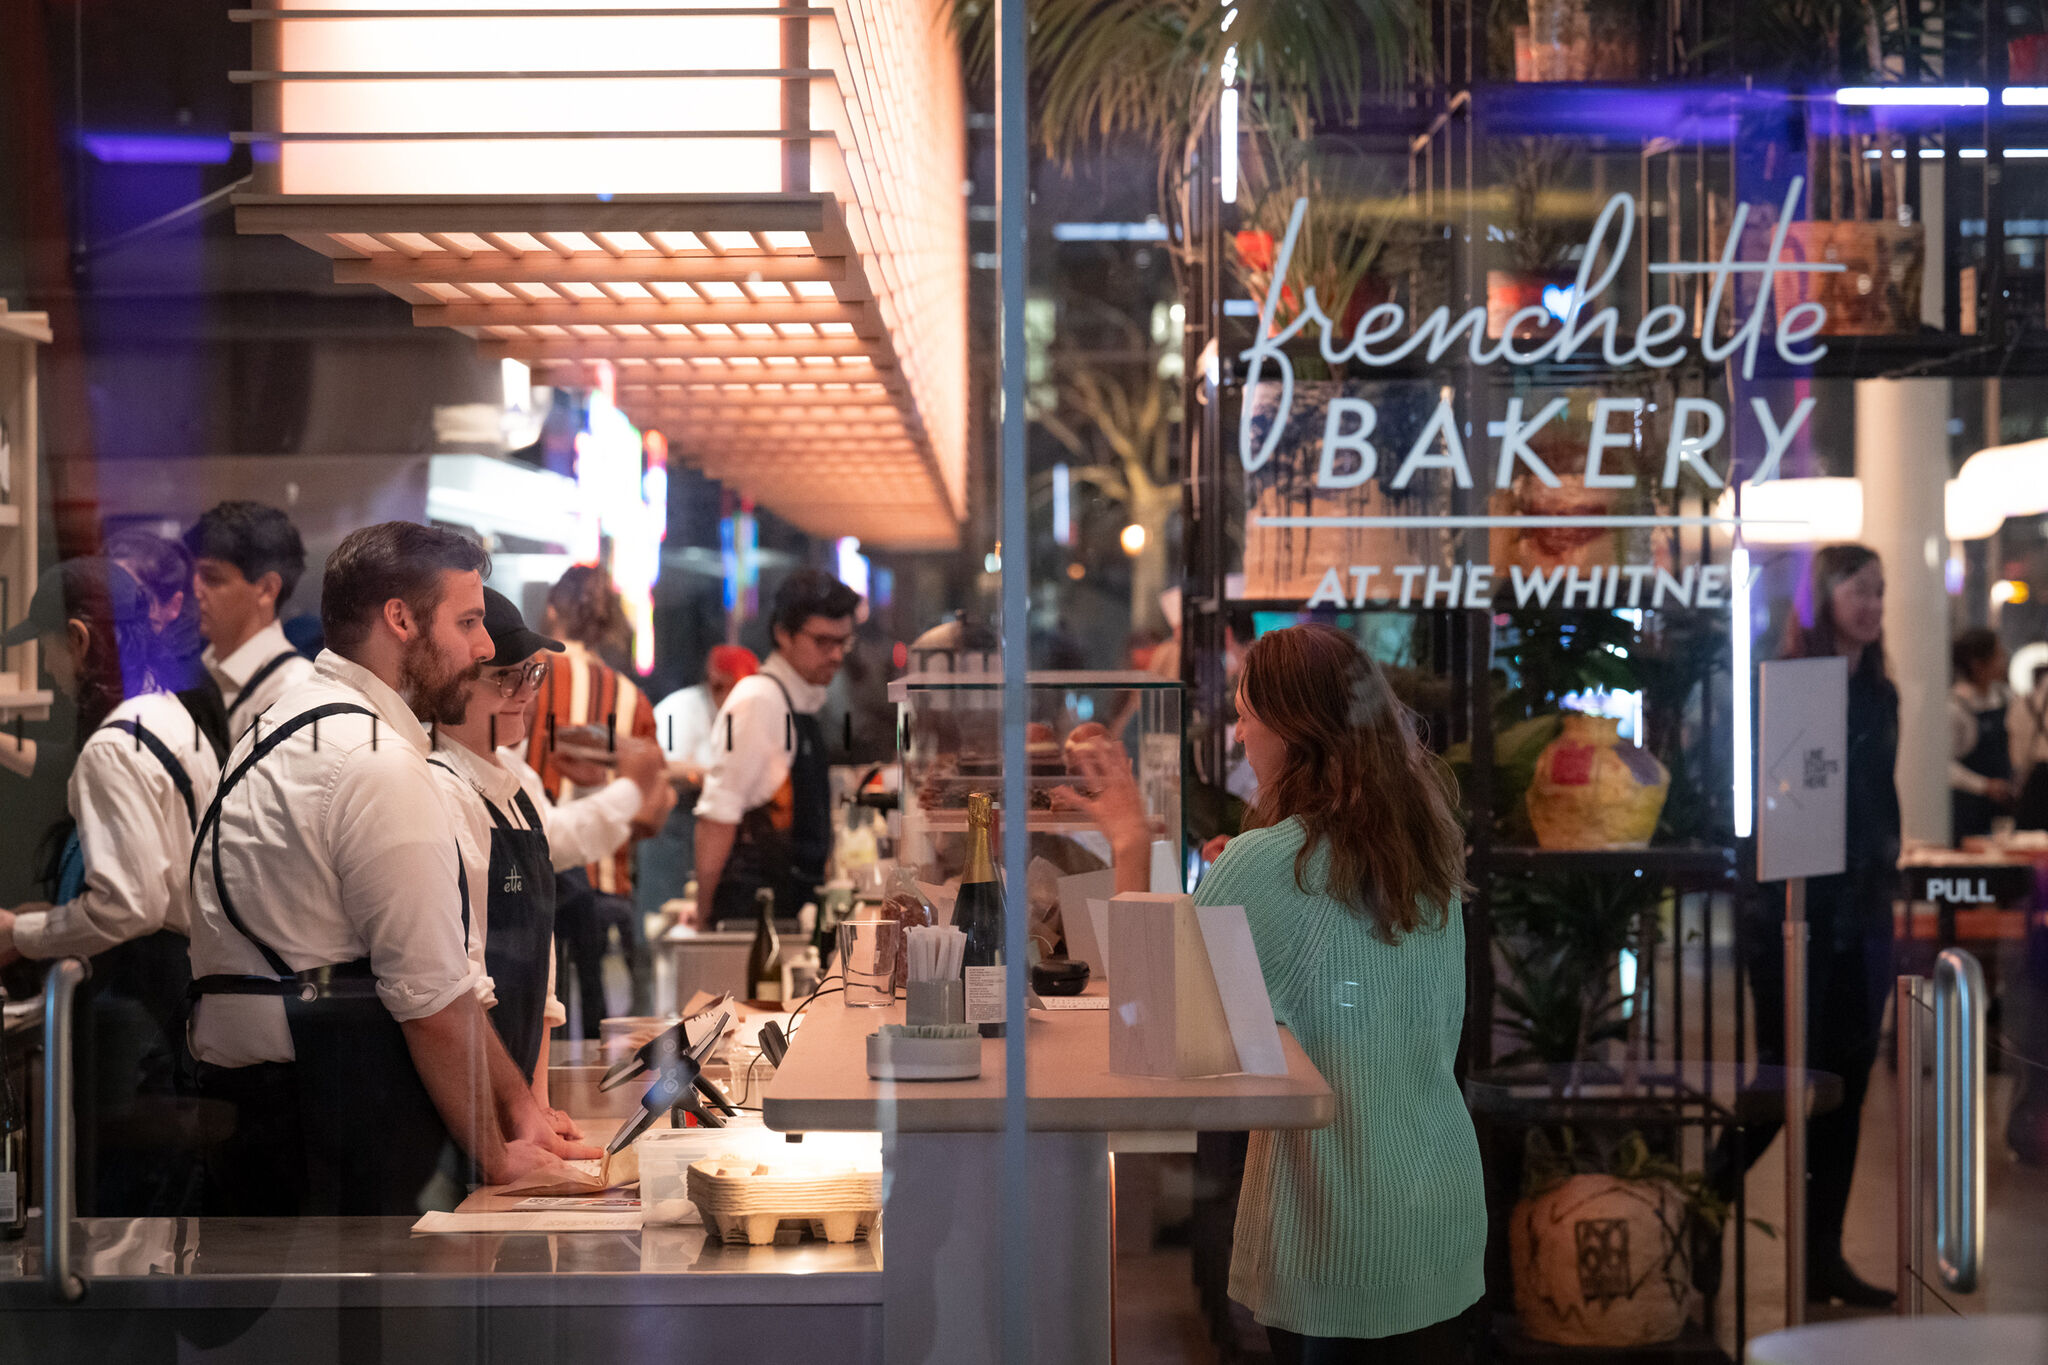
(60, 1155)
(1958, 1119)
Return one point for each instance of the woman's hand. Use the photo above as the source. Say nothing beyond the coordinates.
(1117, 809)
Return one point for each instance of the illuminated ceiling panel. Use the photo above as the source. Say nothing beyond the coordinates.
(753, 213)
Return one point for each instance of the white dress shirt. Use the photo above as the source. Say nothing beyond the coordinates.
(682, 725)
(133, 830)
(337, 846)
(1964, 704)
(754, 767)
(577, 832)
(233, 674)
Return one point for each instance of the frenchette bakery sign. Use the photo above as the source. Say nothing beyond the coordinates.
(1346, 481)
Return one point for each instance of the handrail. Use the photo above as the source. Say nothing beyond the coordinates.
(60, 1154)
(1958, 1119)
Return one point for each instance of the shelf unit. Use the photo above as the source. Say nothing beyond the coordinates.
(21, 334)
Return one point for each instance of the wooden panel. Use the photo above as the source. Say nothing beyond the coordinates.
(639, 268)
(605, 312)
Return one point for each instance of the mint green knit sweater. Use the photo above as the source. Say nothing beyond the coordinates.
(1375, 1225)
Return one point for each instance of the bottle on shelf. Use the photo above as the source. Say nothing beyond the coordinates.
(979, 911)
(13, 1157)
(764, 959)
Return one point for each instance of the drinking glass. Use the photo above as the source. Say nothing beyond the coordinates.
(867, 952)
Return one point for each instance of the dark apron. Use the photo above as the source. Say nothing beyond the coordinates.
(1971, 814)
(128, 1048)
(369, 1136)
(792, 862)
(519, 940)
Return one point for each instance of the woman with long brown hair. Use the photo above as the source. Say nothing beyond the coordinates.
(1363, 1241)
(1849, 918)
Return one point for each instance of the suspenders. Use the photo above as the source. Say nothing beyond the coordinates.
(211, 825)
(162, 751)
(260, 676)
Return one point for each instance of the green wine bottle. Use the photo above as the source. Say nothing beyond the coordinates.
(979, 911)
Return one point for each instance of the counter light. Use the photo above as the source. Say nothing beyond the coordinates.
(1133, 539)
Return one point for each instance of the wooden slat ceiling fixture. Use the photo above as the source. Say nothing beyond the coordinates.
(752, 214)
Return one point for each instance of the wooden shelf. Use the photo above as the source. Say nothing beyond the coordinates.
(10, 702)
(10, 514)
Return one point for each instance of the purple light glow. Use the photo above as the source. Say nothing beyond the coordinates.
(158, 149)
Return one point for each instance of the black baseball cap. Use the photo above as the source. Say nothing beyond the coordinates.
(71, 588)
(509, 632)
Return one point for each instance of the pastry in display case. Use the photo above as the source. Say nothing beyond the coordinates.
(949, 734)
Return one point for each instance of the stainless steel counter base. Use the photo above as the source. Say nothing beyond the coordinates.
(366, 1290)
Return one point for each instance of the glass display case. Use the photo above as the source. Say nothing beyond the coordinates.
(949, 733)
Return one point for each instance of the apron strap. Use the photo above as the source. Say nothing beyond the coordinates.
(162, 751)
(526, 810)
(789, 718)
(211, 824)
(261, 676)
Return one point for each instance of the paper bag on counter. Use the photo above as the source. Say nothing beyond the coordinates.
(581, 1177)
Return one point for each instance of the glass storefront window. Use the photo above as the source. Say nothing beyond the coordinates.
(1010, 683)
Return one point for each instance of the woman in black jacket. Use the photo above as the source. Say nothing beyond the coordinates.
(1849, 917)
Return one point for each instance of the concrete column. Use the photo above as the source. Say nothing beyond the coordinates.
(1902, 461)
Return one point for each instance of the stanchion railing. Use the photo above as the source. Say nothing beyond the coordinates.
(60, 1153)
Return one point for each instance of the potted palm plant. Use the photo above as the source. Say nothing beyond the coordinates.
(1152, 73)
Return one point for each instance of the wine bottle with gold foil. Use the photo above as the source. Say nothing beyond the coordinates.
(979, 912)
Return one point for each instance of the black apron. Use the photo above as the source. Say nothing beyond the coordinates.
(128, 1047)
(1971, 814)
(792, 862)
(370, 1137)
(519, 939)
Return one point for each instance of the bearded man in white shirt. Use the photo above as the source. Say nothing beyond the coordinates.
(336, 1002)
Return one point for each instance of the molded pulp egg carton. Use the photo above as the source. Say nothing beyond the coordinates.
(746, 1202)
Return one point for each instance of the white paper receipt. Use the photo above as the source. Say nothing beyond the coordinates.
(984, 995)
(1073, 1002)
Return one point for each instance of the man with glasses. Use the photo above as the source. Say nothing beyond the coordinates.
(513, 839)
(765, 816)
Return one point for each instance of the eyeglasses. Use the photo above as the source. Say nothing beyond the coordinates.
(830, 644)
(511, 681)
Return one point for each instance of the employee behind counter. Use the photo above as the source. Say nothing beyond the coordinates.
(765, 816)
(336, 1007)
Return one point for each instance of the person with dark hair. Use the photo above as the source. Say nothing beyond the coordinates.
(765, 816)
(1980, 772)
(513, 838)
(1849, 923)
(164, 569)
(247, 559)
(587, 690)
(336, 1002)
(121, 893)
(1366, 1240)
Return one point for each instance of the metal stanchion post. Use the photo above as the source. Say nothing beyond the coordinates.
(1795, 1101)
(1906, 1028)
